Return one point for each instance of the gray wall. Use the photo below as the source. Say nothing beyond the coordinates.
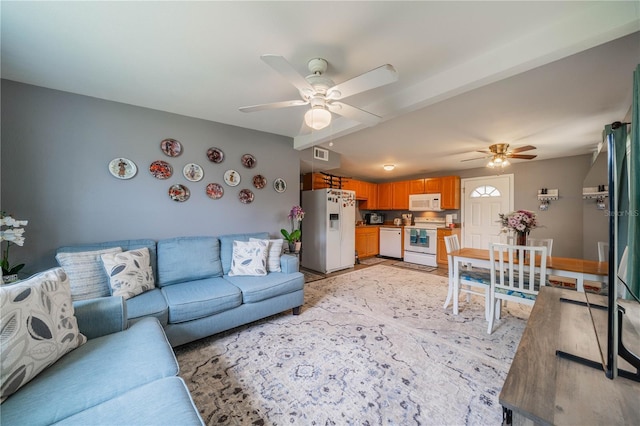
(595, 222)
(55, 150)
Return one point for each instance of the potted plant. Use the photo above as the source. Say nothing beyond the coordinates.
(12, 235)
(293, 238)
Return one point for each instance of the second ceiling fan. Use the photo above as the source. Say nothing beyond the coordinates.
(323, 95)
(500, 154)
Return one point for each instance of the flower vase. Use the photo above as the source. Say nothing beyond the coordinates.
(6, 279)
(521, 240)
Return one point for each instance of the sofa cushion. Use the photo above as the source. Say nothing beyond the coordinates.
(226, 246)
(170, 404)
(125, 245)
(148, 304)
(274, 252)
(255, 289)
(198, 299)
(101, 369)
(187, 259)
(249, 258)
(86, 274)
(129, 272)
(38, 327)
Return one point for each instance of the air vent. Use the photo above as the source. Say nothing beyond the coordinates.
(320, 154)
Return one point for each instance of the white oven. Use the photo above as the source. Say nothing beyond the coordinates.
(421, 241)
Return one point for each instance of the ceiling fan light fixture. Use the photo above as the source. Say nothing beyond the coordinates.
(505, 163)
(389, 167)
(317, 118)
(491, 164)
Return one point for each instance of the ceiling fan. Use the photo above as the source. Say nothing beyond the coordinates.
(323, 95)
(500, 153)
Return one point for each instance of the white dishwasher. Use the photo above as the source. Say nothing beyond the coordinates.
(391, 242)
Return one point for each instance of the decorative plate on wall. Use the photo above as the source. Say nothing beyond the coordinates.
(161, 169)
(193, 172)
(259, 181)
(123, 168)
(215, 191)
(249, 161)
(280, 185)
(215, 155)
(246, 196)
(179, 193)
(231, 178)
(171, 147)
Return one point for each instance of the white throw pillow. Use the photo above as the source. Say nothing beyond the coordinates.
(273, 253)
(249, 258)
(38, 327)
(86, 274)
(129, 272)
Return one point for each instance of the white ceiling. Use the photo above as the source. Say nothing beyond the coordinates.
(548, 74)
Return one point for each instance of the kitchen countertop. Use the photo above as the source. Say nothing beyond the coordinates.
(384, 225)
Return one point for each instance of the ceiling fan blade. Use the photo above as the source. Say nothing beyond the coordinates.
(273, 105)
(287, 70)
(484, 151)
(522, 156)
(354, 113)
(474, 159)
(522, 148)
(377, 77)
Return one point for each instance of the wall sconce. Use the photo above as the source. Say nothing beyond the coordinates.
(545, 195)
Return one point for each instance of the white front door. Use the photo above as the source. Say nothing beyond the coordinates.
(483, 199)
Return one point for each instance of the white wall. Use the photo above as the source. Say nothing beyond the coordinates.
(55, 150)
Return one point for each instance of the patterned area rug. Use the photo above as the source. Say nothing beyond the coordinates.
(310, 276)
(372, 261)
(373, 346)
(410, 265)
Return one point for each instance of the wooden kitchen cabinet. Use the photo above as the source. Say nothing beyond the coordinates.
(433, 185)
(367, 241)
(314, 181)
(385, 196)
(370, 202)
(450, 192)
(416, 186)
(441, 253)
(400, 195)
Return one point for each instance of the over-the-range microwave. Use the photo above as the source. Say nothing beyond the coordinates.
(425, 203)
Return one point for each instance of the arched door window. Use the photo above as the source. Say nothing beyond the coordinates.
(485, 191)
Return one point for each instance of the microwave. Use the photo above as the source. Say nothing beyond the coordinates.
(374, 218)
(425, 203)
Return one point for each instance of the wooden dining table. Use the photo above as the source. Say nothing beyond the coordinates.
(578, 269)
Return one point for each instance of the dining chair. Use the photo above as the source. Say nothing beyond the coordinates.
(547, 242)
(603, 251)
(470, 281)
(514, 277)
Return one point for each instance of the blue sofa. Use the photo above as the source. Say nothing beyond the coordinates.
(120, 376)
(195, 296)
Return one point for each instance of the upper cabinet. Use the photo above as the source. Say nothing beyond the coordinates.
(433, 185)
(416, 186)
(400, 195)
(450, 192)
(385, 196)
(370, 201)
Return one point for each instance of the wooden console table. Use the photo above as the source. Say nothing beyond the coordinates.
(542, 388)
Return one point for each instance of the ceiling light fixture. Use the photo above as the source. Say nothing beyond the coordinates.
(317, 117)
(389, 167)
(498, 160)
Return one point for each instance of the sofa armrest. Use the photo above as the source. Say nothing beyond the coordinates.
(289, 263)
(101, 316)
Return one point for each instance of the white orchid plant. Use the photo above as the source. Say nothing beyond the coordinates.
(13, 234)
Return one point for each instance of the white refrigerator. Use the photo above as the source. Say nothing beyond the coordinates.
(328, 230)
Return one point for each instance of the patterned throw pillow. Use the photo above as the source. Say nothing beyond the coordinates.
(129, 272)
(86, 273)
(249, 258)
(273, 254)
(38, 327)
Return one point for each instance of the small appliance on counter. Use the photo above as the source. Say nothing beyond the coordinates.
(397, 221)
(448, 221)
(374, 218)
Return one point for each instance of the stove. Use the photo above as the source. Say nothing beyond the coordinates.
(420, 240)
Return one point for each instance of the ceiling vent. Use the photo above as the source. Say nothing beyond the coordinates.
(320, 154)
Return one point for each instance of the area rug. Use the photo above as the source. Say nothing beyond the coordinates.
(310, 276)
(372, 260)
(415, 266)
(370, 347)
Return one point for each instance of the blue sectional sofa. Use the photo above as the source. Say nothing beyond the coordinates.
(195, 296)
(126, 372)
(120, 376)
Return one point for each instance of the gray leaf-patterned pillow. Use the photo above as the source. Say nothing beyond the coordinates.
(129, 272)
(249, 258)
(38, 326)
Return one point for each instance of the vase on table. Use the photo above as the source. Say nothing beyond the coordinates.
(295, 247)
(521, 240)
(7, 279)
